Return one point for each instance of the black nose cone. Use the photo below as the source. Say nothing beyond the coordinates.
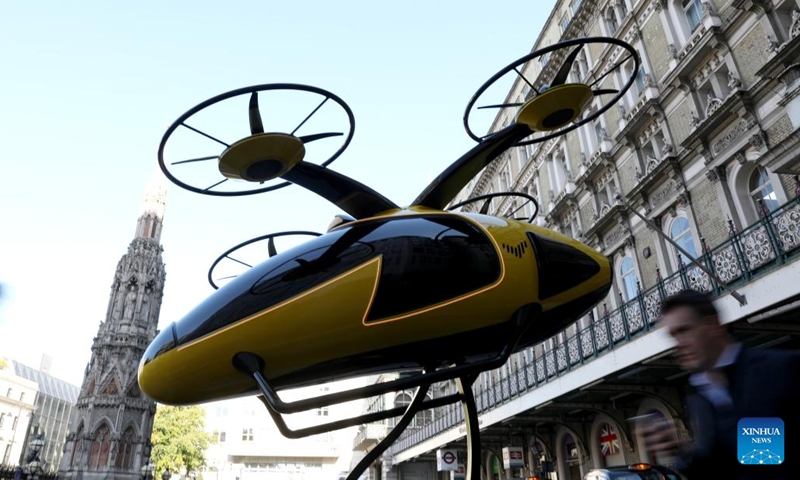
(561, 266)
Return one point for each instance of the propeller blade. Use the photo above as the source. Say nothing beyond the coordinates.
(501, 105)
(256, 126)
(271, 247)
(604, 91)
(563, 72)
(485, 207)
(201, 159)
(319, 136)
(229, 276)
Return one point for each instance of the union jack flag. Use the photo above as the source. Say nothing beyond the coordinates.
(609, 441)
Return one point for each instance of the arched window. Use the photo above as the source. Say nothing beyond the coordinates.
(761, 191)
(77, 449)
(125, 450)
(630, 283)
(98, 455)
(421, 418)
(572, 457)
(681, 232)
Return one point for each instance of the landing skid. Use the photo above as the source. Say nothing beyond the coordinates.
(464, 375)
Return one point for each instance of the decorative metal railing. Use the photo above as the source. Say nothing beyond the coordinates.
(745, 255)
(9, 472)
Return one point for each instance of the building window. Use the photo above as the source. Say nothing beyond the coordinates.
(322, 412)
(8, 393)
(98, 454)
(529, 206)
(599, 133)
(630, 284)
(575, 5)
(623, 10)
(611, 21)
(762, 193)
(565, 22)
(505, 180)
(694, 13)
(2, 418)
(126, 449)
(640, 81)
(544, 58)
(220, 436)
(565, 169)
(681, 233)
(247, 434)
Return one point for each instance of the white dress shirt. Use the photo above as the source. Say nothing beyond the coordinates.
(716, 392)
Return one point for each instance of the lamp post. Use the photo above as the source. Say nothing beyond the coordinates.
(147, 471)
(35, 465)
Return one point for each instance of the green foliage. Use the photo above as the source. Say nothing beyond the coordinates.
(179, 439)
(3, 363)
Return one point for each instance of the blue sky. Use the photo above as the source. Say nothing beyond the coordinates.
(88, 89)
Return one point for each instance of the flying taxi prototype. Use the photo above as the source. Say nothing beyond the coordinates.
(425, 288)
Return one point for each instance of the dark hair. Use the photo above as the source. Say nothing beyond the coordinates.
(701, 303)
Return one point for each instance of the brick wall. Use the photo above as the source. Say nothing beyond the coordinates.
(750, 55)
(789, 185)
(779, 130)
(711, 223)
(586, 215)
(612, 114)
(679, 121)
(656, 45)
(627, 174)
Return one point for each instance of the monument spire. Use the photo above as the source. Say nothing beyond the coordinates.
(154, 204)
(110, 434)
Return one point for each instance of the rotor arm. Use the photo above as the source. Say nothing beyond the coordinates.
(447, 185)
(353, 197)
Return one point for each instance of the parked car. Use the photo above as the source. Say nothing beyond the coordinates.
(637, 471)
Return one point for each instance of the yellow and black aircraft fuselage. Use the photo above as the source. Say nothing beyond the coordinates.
(406, 289)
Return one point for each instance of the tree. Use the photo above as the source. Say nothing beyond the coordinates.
(179, 439)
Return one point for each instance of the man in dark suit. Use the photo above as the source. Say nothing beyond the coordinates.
(728, 382)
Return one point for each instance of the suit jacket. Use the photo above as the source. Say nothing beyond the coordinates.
(763, 383)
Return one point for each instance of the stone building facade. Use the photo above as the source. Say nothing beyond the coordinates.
(703, 143)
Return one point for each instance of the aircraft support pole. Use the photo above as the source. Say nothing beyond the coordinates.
(464, 385)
